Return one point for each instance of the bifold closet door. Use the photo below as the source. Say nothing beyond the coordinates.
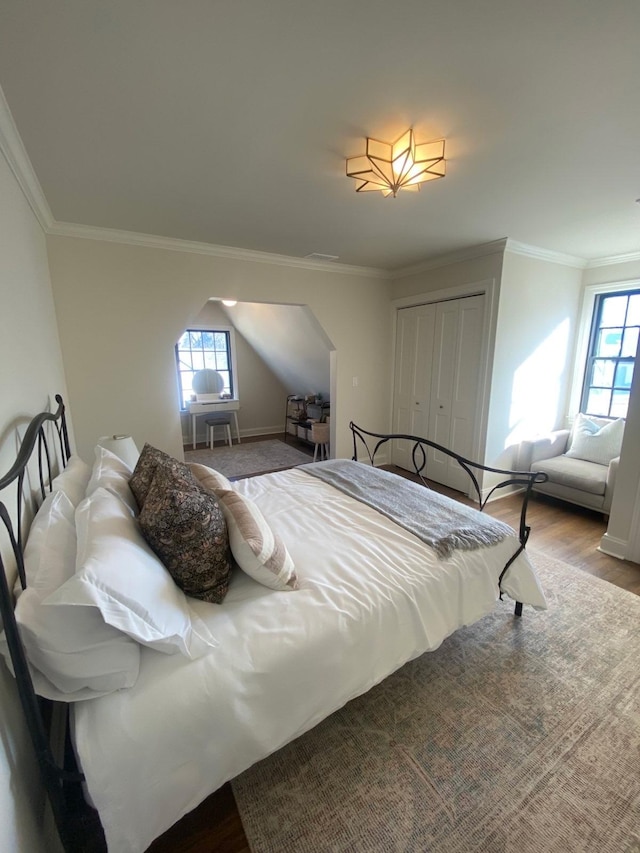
(437, 372)
(413, 363)
(454, 386)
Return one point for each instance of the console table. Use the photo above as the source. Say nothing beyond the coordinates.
(214, 408)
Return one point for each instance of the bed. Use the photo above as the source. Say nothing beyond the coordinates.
(337, 594)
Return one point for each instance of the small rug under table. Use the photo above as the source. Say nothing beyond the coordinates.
(254, 457)
(515, 735)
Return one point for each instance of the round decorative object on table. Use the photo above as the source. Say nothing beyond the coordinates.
(207, 382)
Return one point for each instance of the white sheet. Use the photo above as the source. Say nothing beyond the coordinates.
(372, 597)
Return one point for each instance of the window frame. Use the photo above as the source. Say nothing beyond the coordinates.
(584, 336)
(233, 371)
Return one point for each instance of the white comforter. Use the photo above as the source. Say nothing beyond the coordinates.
(371, 597)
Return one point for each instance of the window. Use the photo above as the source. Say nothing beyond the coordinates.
(198, 349)
(611, 356)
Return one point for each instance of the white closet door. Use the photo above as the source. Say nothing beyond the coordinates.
(413, 363)
(454, 386)
(437, 372)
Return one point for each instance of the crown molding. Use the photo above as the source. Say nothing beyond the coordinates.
(614, 259)
(506, 244)
(133, 238)
(467, 254)
(569, 260)
(539, 254)
(13, 149)
(16, 156)
(112, 235)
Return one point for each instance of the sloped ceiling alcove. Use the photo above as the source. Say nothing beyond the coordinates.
(290, 340)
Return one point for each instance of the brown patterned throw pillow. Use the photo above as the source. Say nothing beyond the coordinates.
(185, 527)
(145, 470)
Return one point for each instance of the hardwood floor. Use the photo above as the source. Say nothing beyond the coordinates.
(568, 533)
(572, 534)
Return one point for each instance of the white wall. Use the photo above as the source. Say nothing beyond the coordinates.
(122, 307)
(449, 275)
(608, 273)
(621, 538)
(532, 364)
(31, 373)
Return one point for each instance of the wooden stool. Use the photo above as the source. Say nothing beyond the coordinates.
(219, 421)
(320, 437)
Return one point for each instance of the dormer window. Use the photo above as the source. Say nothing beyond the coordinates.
(200, 349)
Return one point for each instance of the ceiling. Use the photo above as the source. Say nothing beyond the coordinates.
(228, 121)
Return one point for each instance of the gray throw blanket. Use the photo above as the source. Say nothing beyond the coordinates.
(437, 520)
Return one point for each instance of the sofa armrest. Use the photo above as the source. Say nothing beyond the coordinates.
(612, 473)
(546, 447)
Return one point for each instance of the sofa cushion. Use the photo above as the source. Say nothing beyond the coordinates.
(572, 496)
(574, 473)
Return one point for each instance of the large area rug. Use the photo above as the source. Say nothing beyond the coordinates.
(515, 735)
(255, 457)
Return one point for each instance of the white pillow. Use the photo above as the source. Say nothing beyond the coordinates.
(75, 655)
(73, 480)
(595, 439)
(111, 473)
(119, 574)
(259, 551)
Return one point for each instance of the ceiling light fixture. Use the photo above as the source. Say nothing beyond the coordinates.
(229, 302)
(404, 165)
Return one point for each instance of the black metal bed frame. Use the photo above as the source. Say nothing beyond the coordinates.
(38, 712)
(56, 778)
(371, 442)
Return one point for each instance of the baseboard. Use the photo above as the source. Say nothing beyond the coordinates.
(504, 492)
(614, 547)
(244, 433)
(272, 430)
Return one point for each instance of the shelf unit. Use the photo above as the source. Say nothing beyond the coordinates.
(301, 413)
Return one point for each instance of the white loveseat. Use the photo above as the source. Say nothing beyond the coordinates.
(581, 463)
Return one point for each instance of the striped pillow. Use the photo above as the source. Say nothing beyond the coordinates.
(210, 479)
(256, 548)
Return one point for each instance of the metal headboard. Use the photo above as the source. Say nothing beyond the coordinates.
(46, 439)
(371, 442)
